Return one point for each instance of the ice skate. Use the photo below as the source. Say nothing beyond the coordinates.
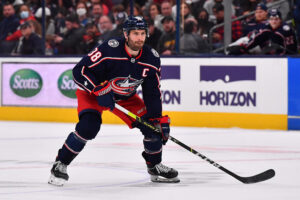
(163, 174)
(58, 174)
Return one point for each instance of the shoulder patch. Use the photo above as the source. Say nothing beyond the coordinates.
(155, 53)
(286, 27)
(113, 43)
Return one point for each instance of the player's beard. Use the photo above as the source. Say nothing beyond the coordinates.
(135, 46)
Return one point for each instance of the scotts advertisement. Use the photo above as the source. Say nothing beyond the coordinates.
(26, 83)
(66, 85)
(43, 84)
(232, 85)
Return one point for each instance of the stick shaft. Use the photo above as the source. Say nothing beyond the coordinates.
(254, 179)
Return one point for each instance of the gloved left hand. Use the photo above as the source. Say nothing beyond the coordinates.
(163, 124)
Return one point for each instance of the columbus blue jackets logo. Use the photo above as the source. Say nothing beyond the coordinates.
(125, 85)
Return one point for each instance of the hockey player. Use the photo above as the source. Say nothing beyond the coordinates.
(276, 38)
(111, 73)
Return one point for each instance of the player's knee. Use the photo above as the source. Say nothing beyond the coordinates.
(89, 125)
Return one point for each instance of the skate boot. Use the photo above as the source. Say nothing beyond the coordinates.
(163, 174)
(58, 174)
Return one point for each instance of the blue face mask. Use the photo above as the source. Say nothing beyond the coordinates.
(24, 14)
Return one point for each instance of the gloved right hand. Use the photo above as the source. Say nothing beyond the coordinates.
(105, 95)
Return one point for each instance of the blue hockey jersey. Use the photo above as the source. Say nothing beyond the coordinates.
(110, 61)
(284, 36)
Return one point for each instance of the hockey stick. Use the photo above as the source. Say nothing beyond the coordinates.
(247, 180)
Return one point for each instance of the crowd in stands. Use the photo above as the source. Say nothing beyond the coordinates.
(74, 27)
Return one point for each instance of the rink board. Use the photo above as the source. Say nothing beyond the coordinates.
(193, 119)
(294, 94)
(203, 92)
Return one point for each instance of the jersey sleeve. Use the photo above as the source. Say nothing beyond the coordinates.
(152, 93)
(84, 71)
(259, 39)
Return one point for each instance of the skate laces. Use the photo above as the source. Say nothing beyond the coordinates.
(61, 167)
(162, 168)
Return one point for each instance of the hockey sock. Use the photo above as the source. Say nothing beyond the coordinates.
(71, 148)
(153, 150)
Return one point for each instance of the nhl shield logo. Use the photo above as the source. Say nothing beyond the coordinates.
(113, 43)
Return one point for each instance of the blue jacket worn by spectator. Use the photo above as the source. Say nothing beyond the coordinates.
(30, 43)
(10, 21)
(8, 25)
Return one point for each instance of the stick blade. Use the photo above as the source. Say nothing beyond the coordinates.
(259, 177)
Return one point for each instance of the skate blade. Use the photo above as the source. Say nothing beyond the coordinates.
(56, 181)
(158, 179)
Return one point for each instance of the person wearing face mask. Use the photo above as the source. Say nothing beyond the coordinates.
(25, 15)
(81, 11)
(204, 25)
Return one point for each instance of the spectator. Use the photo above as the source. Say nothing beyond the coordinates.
(25, 15)
(259, 20)
(137, 11)
(116, 10)
(105, 24)
(209, 4)
(218, 35)
(203, 24)
(106, 27)
(97, 12)
(81, 11)
(166, 44)
(276, 38)
(30, 43)
(243, 7)
(8, 25)
(50, 26)
(59, 22)
(166, 9)
(195, 6)
(190, 42)
(155, 15)
(91, 37)
(154, 34)
(118, 31)
(70, 42)
(105, 9)
(186, 11)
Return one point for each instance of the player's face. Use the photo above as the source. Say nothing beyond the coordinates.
(261, 15)
(136, 39)
(275, 22)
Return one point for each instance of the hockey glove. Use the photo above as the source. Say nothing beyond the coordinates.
(163, 124)
(105, 95)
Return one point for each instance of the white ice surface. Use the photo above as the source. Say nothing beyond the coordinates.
(111, 167)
